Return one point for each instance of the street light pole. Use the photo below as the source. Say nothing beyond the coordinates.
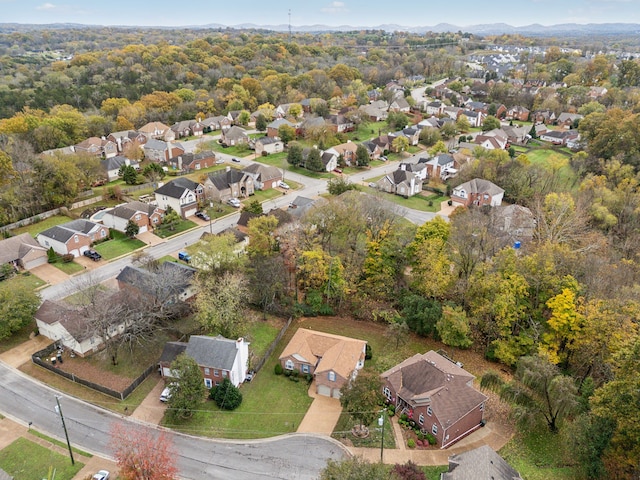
(59, 410)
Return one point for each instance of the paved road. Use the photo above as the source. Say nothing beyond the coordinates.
(297, 456)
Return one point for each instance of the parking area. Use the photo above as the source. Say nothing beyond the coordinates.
(50, 274)
(323, 414)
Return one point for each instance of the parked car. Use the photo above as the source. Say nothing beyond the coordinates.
(281, 184)
(383, 158)
(92, 254)
(184, 256)
(337, 170)
(101, 475)
(219, 161)
(203, 216)
(234, 202)
(372, 185)
(234, 159)
(250, 375)
(165, 395)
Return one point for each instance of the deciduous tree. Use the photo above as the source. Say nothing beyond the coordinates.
(18, 305)
(361, 397)
(187, 387)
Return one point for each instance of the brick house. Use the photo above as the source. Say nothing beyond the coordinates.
(182, 195)
(477, 192)
(230, 183)
(264, 176)
(145, 215)
(401, 182)
(72, 237)
(437, 394)
(217, 357)
(331, 359)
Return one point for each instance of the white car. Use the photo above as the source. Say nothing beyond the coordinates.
(165, 395)
(101, 475)
(234, 202)
(283, 185)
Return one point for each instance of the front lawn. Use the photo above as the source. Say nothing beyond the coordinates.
(119, 245)
(68, 267)
(24, 279)
(18, 338)
(26, 460)
(35, 228)
(428, 203)
(182, 226)
(346, 423)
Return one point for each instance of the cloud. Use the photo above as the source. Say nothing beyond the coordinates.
(46, 6)
(335, 7)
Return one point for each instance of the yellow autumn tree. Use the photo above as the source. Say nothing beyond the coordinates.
(563, 326)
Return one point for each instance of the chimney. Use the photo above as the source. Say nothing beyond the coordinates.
(228, 169)
(239, 343)
(179, 162)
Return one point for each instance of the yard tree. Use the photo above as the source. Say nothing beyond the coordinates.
(217, 254)
(362, 156)
(617, 400)
(381, 266)
(431, 273)
(462, 124)
(143, 453)
(408, 471)
(588, 438)
(438, 147)
(400, 144)
(361, 397)
(314, 161)
(354, 468)
(268, 283)
(170, 219)
(397, 120)
(295, 110)
(261, 123)
(18, 305)
(286, 133)
(294, 154)
(226, 395)
(421, 314)
(220, 305)
(262, 232)
(429, 136)
(132, 229)
(453, 327)
(563, 326)
(538, 392)
(154, 172)
(490, 123)
(187, 387)
(398, 331)
(448, 130)
(244, 117)
(338, 185)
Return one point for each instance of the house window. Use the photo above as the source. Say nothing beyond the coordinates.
(103, 233)
(482, 407)
(76, 238)
(206, 371)
(429, 411)
(288, 365)
(216, 373)
(217, 384)
(207, 382)
(305, 368)
(434, 429)
(421, 419)
(387, 393)
(137, 216)
(332, 376)
(225, 374)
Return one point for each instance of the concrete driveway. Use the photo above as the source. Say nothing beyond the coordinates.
(49, 274)
(323, 414)
(150, 239)
(151, 410)
(22, 353)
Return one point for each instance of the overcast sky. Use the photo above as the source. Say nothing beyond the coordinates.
(308, 12)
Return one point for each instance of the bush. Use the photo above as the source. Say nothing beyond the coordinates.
(278, 370)
(411, 443)
(431, 439)
(392, 410)
(294, 378)
(367, 352)
(404, 417)
(227, 396)
(67, 258)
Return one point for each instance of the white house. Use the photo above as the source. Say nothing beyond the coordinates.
(181, 195)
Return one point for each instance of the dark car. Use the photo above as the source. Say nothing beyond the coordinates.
(203, 216)
(235, 160)
(184, 256)
(92, 254)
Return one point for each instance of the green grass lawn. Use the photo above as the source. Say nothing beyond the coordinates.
(18, 337)
(538, 455)
(26, 279)
(69, 267)
(119, 245)
(544, 157)
(36, 228)
(26, 460)
(262, 333)
(429, 203)
(433, 473)
(180, 227)
(35, 433)
(236, 151)
(346, 423)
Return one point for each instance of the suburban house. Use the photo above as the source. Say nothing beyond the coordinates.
(441, 166)
(309, 104)
(399, 104)
(329, 161)
(375, 152)
(193, 161)
(233, 116)
(518, 113)
(171, 282)
(230, 183)
(72, 237)
(264, 176)
(347, 151)
(374, 113)
(300, 205)
(419, 168)
(187, 128)
(475, 119)
(234, 136)
(182, 195)
(512, 223)
(22, 251)
(66, 325)
(567, 120)
(272, 128)
(217, 357)
(543, 116)
(478, 192)
(340, 123)
(437, 394)
(482, 462)
(210, 124)
(268, 145)
(435, 108)
(331, 359)
(127, 137)
(559, 137)
(160, 152)
(401, 182)
(112, 165)
(517, 135)
(312, 122)
(98, 147)
(145, 215)
(158, 130)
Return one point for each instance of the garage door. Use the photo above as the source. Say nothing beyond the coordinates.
(324, 390)
(336, 393)
(143, 229)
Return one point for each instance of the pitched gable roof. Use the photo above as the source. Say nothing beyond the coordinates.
(223, 179)
(480, 185)
(263, 172)
(480, 463)
(217, 352)
(18, 247)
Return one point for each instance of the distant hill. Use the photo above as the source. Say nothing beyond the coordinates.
(573, 29)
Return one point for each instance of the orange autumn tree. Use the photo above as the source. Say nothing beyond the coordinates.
(142, 454)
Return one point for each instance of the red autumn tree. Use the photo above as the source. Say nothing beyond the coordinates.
(142, 454)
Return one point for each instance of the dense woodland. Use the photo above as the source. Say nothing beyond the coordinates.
(570, 296)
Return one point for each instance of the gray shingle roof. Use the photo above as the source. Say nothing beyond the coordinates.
(222, 180)
(64, 232)
(215, 352)
(176, 188)
(479, 463)
(171, 350)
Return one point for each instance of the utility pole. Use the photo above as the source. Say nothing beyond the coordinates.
(289, 25)
(59, 410)
(381, 423)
